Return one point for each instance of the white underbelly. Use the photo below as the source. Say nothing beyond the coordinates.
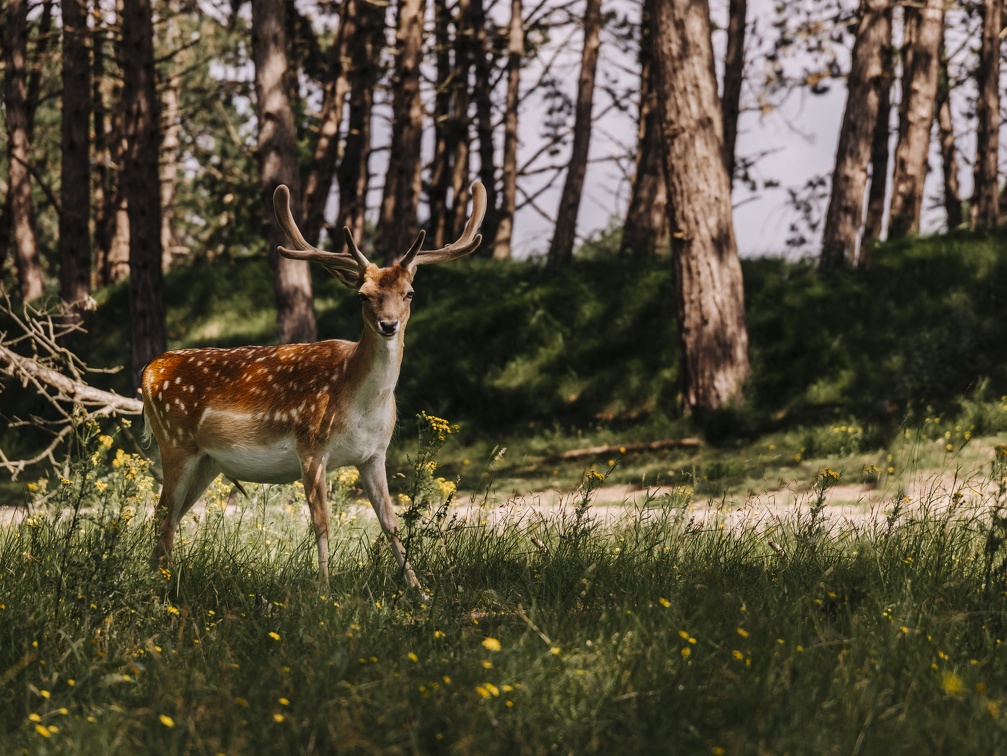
(273, 463)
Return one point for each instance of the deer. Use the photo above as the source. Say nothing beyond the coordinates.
(276, 414)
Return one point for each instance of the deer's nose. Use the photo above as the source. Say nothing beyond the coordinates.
(388, 327)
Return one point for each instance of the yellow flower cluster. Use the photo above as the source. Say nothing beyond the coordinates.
(439, 425)
(348, 476)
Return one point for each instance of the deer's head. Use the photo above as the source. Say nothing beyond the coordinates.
(385, 293)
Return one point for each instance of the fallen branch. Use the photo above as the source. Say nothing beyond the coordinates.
(611, 449)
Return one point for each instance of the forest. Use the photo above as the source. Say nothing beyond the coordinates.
(695, 425)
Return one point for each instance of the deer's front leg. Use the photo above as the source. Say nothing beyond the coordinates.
(375, 480)
(313, 474)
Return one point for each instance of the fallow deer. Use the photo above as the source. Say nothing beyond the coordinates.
(275, 414)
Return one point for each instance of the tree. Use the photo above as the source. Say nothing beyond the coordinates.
(876, 195)
(75, 189)
(482, 92)
(564, 234)
(278, 165)
(946, 136)
(508, 197)
(924, 30)
(646, 226)
(709, 296)
(352, 173)
(403, 182)
(984, 208)
(323, 163)
(734, 74)
(853, 155)
(141, 183)
(29, 266)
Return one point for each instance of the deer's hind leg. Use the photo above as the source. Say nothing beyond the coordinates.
(185, 479)
(313, 475)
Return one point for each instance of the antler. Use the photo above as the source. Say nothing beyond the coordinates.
(465, 244)
(342, 264)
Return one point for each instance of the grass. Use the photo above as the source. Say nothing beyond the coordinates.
(565, 633)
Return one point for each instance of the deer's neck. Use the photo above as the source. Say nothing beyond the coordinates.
(377, 361)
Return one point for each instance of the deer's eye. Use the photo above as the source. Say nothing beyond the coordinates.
(409, 294)
(362, 296)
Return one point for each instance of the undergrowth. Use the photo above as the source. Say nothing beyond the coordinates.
(546, 630)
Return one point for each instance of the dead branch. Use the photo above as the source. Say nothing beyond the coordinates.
(613, 449)
(32, 353)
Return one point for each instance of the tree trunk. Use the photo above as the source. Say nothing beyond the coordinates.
(169, 171)
(734, 73)
(29, 266)
(403, 182)
(709, 295)
(277, 144)
(43, 40)
(483, 95)
(352, 173)
(104, 213)
(876, 195)
(924, 31)
(856, 137)
(984, 210)
(323, 163)
(646, 226)
(75, 187)
(508, 199)
(564, 235)
(946, 133)
(440, 168)
(460, 124)
(141, 181)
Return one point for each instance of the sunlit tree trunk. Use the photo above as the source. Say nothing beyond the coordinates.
(169, 171)
(75, 187)
(924, 32)
(323, 162)
(946, 135)
(508, 199)
(278, 165)
(440, 167)
(984, 209)
(141, 181)
(564, 235)
(853, 155)
(877, 193)
(646, 226)
(352, 173)
(460, 123)
(483, 95)
(734, 74)
(709, 296)
(403, 182)
(29, 266)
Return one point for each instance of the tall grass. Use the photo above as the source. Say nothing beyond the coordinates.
(544, 631)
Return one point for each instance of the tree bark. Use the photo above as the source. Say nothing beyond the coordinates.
(460, 123)
(946, 134)
(75, 187)
(352, 174)
(440, 168)
(141, 181)
(169, 171)
(277, 145)
(856, 137)
(709, 295)
(876, 195)
(29, 266)
(104, 213)
(483, 95)
(403, 182)
(984, 210)
(924, 32)
(734, 74)
(564, 235)
(646, 226)
(323, 163)
(508, 199)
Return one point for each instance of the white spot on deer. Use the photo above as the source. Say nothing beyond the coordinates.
(178, 379)
(206, 370)
(181, 406)
(165, 386)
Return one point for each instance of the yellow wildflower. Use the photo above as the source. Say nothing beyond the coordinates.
(491, 644)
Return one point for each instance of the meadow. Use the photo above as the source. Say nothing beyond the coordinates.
(823, 573)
